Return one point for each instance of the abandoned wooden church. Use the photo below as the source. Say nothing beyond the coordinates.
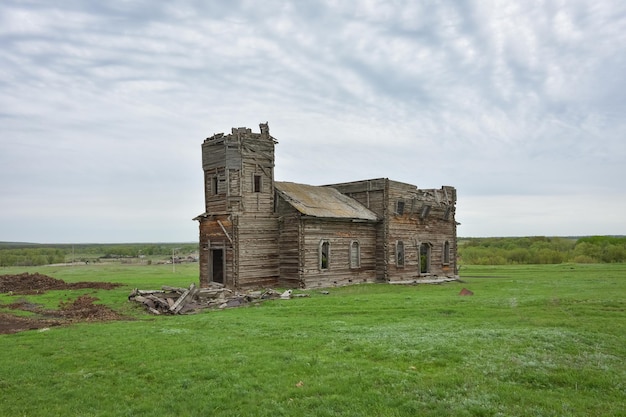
(256, 232)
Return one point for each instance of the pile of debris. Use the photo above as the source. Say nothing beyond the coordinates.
(173, 300)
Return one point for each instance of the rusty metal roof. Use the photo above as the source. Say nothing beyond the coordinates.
(324, 202)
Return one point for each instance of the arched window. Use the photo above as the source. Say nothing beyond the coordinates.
(355, 254)
(324, 254)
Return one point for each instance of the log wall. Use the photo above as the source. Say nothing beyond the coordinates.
(409, 227)
(373, 195)
(290, 247)
(256, 244)
(416, 217)
(300, 240)
(339, 234)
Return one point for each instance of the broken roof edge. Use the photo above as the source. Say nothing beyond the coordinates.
(206, 215)
(381, 179)
(372, 180)
(238, 132)
(379, 183)
(376, 184)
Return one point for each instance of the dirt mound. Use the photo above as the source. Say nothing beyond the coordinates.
(83, 309)
(80, 310)
(38, 283)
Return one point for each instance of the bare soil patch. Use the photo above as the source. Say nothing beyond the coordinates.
(38, 283)
(80, 310)
(14, 324)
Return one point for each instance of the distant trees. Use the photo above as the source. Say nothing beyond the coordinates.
(600, 249)
(471, 251)
(135, 250)
(31, 256)
(542, 250)
(34, 254)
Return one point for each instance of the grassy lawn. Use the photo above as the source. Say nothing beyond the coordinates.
(545, 340)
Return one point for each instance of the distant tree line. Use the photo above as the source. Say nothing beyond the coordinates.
(31, 257)
(20, 254)
(134, 250)
(541, 250)
(471, 251)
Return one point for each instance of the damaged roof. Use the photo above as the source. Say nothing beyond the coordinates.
(324, 202)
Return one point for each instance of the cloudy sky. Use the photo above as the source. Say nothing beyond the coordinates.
(520, 105)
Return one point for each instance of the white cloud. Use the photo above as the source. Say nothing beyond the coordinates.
(509, 102)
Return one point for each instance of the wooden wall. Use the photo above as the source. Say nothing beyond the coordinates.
(234, 159)
(373, 195)
(300, 239)
(257, 225)
(290, 241)
(427, 218)
(212, 237)
(339, 234)
(382, 196)
(257, 247)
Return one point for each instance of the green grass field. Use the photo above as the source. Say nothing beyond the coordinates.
(545, 340)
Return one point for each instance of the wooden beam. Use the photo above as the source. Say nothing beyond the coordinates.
(225, 232)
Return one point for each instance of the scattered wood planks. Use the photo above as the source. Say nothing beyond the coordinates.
(174, 300)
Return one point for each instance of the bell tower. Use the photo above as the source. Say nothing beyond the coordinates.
(239, 209)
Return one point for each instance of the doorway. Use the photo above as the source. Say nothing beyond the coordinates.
(217, 266)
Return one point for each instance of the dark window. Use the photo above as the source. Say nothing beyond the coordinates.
(446, 252)
(214, 183)
(324, 254)
(400, 207)
(355, 254)
(400, 254)
(257, 183)
(425, 258)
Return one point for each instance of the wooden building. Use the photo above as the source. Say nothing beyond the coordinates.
(256, 232)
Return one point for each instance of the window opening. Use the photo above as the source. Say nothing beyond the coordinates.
(446, 252)
(214, 183)
(400, 207)
(400, 254)
(424, 258)
(324, 254)
(257, 183)
(355, 254)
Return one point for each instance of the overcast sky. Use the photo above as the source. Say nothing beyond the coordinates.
(521, 105)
